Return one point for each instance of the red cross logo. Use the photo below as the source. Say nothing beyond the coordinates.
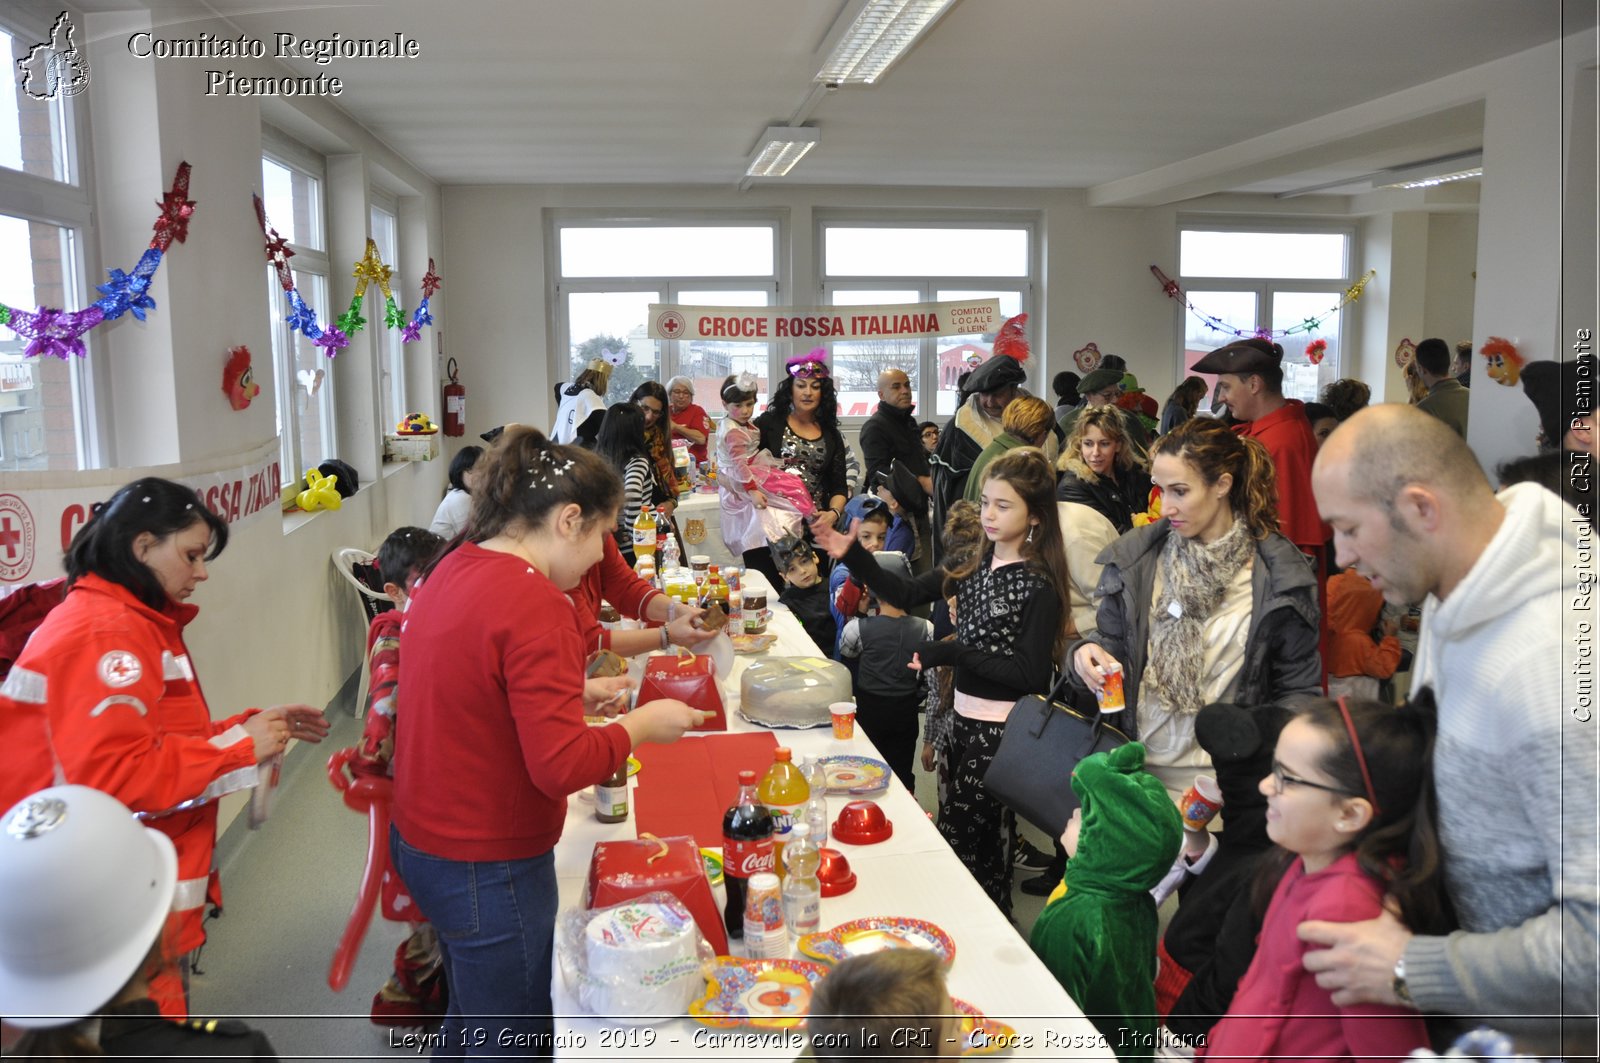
(120, 668)
(670, 323)
(10, 538)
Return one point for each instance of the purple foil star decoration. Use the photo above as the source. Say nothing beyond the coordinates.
(411, 331)
(58, 333)
(332, 340)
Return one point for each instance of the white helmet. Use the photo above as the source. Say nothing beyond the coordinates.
(84, 892)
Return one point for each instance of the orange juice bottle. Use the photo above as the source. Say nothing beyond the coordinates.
(644, 533)
(785, 792)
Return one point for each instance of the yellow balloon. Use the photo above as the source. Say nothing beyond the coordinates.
(322, 492)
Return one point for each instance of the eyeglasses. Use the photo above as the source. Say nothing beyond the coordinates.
(1282, 778)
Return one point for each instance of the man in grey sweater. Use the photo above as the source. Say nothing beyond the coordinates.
(1506, 626)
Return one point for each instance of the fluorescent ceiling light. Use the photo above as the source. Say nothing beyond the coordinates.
(1435, 172)
(881, 32)
(780, 148)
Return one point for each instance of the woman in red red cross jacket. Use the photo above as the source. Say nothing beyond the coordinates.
(105, 695)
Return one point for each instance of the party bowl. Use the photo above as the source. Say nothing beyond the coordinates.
(862, 823)
(834, 873)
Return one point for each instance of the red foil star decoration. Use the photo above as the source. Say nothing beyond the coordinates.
(176, 210)
(278, 252)
(1168, 285)
(430, 281)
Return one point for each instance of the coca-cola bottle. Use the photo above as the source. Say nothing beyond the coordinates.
(746, 850)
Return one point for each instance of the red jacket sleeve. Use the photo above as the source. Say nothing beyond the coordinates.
(619, 586)
(118, 725)
(562, 753)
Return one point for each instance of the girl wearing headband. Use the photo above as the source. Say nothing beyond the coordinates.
(1350, 803)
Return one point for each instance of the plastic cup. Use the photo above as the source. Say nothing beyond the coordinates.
(844, 719)
(1111, 695)
(1201, 802)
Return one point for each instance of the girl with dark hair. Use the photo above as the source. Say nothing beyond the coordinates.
(104, 695)
(1350, 804)
(451, 517)
(493, 697)
(1182, 403)
(1210, 603)
(651, 398)
(621, 444)
(801, 429)
(1011, 628)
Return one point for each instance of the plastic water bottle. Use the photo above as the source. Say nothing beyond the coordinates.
(671, 558)
(816, 810)
(802, 891)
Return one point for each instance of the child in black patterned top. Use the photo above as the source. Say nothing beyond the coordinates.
(1011, 628)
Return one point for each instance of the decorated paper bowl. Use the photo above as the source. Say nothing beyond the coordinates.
(874, 934)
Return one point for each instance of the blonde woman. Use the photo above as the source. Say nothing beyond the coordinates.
(1103, 484)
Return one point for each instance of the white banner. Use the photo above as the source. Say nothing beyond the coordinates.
(40, 513)
(758, 324)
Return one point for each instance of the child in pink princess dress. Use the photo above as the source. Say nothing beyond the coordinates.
(762, 503)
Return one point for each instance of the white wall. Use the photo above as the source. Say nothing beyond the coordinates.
(1450, 285)
(276, 626)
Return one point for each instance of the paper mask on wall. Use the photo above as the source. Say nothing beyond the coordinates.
(238, 380)
(1086, 357)
(1505, 364)
(1404, 353)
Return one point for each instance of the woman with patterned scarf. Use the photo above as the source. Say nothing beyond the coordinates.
(1210, 603)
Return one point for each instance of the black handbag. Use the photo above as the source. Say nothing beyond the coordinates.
(1044, 740)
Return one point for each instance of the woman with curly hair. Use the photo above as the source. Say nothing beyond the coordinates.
(1103, 484)
(801, 430)
(1209, 603)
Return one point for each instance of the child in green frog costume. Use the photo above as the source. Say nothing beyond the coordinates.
(1099, 940)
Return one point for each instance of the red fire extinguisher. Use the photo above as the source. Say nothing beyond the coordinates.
(455, 403)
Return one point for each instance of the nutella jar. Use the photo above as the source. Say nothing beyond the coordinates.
(753, 614)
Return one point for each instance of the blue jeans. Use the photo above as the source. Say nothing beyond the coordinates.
(496, 922)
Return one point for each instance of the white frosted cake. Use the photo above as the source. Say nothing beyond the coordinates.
(644, 961)
(792, 691)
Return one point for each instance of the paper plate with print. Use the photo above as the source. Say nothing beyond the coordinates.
(874, 934)
(981, 1035)
(855, 775)
(766, 994)
(743, 643)
(712, 860)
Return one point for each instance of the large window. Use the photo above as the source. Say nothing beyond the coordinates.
(1241, 278)
(921, 262)
(292, 184)
(47, 418)
(608, 274)
(391, 351)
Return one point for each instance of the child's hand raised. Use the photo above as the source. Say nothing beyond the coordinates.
(915, 664)
(831, 539)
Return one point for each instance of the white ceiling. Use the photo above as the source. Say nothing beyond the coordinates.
(1001, 93)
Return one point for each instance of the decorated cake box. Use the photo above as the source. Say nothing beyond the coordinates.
(690, 678)
(621, 871)
(792, 691)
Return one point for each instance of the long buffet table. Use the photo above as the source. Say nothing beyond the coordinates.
(913, 873)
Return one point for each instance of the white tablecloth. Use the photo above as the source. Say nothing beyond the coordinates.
(913, 873)
(705, 508)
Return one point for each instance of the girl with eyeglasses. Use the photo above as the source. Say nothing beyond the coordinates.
(1350, 804)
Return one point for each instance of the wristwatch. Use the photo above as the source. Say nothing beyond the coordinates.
(1401, 990)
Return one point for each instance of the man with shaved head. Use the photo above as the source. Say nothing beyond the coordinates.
(892, 432)
(1503, 624)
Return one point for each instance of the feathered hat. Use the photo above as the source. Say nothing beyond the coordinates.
(1005, 367)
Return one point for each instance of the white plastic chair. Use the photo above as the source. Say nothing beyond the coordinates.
(349, 561)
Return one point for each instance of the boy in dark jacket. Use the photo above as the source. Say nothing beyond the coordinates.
(888, 692)
(804, 592)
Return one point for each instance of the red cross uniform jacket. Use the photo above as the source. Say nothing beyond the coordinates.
(103, 695)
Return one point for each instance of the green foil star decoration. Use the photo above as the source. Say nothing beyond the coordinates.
(1311, 324)
(350, 322)
(393, 316)
(5, 314)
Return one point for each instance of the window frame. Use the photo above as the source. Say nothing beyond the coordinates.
(1266, 288)
(392, 358)
(279, 150)
(68, 205)
(671, 351)
(1026, 286)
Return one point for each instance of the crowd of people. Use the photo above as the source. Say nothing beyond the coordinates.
(1227, 570)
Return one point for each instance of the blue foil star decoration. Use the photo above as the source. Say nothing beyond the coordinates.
(301, 317)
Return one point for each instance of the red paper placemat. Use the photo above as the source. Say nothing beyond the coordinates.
(685, 787)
